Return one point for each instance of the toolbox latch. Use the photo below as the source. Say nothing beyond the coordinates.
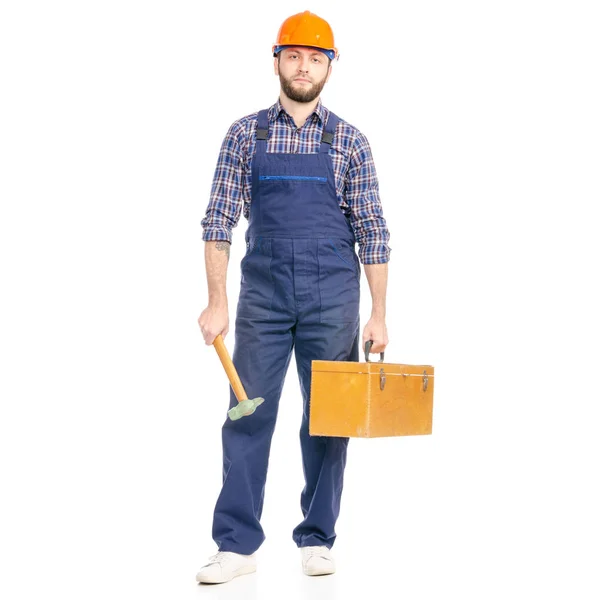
(381, 379)
(425, 380)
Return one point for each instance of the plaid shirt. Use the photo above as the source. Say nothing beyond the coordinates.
(355, 177)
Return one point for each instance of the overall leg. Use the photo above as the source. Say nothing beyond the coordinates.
(323, 458)
(261, 356)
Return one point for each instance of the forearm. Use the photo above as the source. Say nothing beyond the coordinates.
(377, 275)
(216, 259)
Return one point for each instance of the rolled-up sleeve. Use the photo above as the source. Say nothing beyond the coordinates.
(227, 191)
(366, 213)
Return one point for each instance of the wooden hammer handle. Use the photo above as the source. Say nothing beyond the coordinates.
(234, 379)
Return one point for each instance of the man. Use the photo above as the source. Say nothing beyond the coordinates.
(306, 182)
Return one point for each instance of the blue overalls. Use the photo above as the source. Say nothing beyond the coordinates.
(299, 292)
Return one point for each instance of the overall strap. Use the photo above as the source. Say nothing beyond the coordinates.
(262, 132)
(329, 132)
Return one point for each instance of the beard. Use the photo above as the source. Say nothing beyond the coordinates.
(302, 94)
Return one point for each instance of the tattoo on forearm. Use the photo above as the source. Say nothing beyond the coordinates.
(225, 246)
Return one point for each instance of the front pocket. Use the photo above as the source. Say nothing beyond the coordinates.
(339, 285)
(347, 255)
(252, 245)
(337, 251)
(257, 286)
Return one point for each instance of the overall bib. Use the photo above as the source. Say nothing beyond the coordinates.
(300, 291)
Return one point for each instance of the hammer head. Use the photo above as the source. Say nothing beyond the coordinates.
(244, 408)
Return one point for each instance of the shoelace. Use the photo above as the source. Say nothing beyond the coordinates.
(315, 551)
(219, 557)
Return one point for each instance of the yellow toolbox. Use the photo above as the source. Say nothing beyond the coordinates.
(370, 399)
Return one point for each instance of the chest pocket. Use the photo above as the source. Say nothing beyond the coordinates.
(293, 178)
(287, 174)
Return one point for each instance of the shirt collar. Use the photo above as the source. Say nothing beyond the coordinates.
(277, 109)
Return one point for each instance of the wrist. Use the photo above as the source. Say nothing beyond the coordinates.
(217, 300)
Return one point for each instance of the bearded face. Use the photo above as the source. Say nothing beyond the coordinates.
(302, 72)
(300, 88)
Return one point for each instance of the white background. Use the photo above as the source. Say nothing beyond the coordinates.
(484, 124)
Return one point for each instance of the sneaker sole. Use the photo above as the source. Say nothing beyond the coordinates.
(242, 571)
(317, 572)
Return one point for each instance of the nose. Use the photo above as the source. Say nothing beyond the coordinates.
(303, 66)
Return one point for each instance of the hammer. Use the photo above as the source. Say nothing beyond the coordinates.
(245, 406)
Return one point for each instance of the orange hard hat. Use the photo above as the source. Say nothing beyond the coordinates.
(306, 29)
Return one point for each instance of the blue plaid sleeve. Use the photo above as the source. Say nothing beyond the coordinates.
(228, 189)
(366, 214)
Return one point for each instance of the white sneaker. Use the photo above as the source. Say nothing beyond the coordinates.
(224, 566)
(317, 560)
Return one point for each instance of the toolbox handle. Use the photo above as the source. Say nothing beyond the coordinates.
(368, 345)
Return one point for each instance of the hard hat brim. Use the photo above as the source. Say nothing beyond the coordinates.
(332, 53)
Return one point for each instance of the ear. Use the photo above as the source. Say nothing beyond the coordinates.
(276, 66)
(328, 73)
